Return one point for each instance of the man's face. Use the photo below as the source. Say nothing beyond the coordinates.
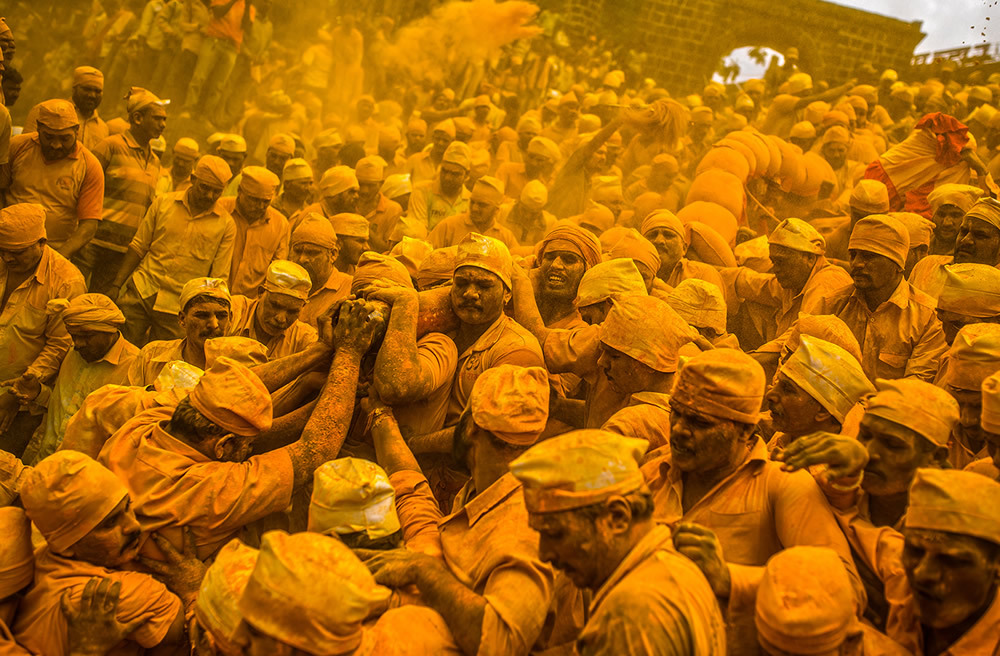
(252, 208)
(481, 113)
(574, 544)
(793, 411)
(452, 177)
(700, 442)
(151, 124)
(625, 374)
(277, 312)
(597, 160)
(835, 154)
(23, 260)
(351, 248)
(326, 158)
(92, 345)
(952, 576)
(234, 160)
(275, 161)
(316, 260)
(57, 144)
(11, 91)
(978, 242)
(698, 131)
(568, 112)
(477, 296)
(182, 165)
(536, 165)
(365, 109)
(367, 189)
(595, 313)
(524, 138)
(441, 141)
(871, 270)
(415, 139)
(203, 195)
(345, 201)
(202, 320)
(669, 245)
(894, 455)
(482, 213)
(87, 97)
(113, 542)
(791, 268)
(298, 190)
(947, 220)
(970, 410)
(561, 267)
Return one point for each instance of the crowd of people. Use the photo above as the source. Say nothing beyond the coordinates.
(551, 360)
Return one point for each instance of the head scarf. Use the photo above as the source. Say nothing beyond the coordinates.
(351, 495)
(664, 219)
(986, 209)
(919, 228)
(723, 383)
(512, 403)
(921, 407)
(829, 374)
(296, 169)
(213, 170)
(646, 329)
(972, 290)
(233, 397)
(798, 235)
(396, 185)
(602, 281)
(57, 115)
(870, 196)
(347, 224)
(315, 229)
(88, 75)
(883, 235)
(584, 240)
(283, 144)
(438, 266)
(636, 247)
(288, 278)
(337, 180)
(217, 604)
(211, 287)
(21, 225)
(187, 147)
(699, 303)
(974, 356)
(244, 350)
(955, 502)
(485, 253)
(534, 195)
(139, 99)
(488, 190)
(370, 169)
(94, 312)
(377, 267)
(259, 182)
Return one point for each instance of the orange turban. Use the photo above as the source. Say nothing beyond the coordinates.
(213, 170)
(232, 143)
(488, 190)
(217, 605)
(337, 180)
(544, 147)
(600, 282)
(961, 196)
(288, 278)
(296, 169)
(584, 240)
(870, 196)
(67, 495)
(88, 75)
(57, 115)
(723, 383)
(955, 502)
(578, 469)
(634, 246)
(258, 182)
(411, 253)
(971, 289)
(986, 209)
(883, 235)
(699, 303)
(458, 153)
(708, 245)
(347, 224)
(974, 355)
(597, 216)
(664, 219)
(798, 235)
(248, 352)
(646, 329)
(21, 225)
(187, 147)
(282, 143)
(437, 267)
(396, 185)
(233, 397)
(925, 409)
(315, 229)
(310, 592)
(139, 99)
(829, 374)
(511, 402)
(17, 562)
(351, 495)
(713, 215)
(919, 228)
(370, 169)
(94, 312)
(212, 287)
(485, 253)
(375, 266)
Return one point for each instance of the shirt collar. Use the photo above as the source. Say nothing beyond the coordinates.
(657, 539)
(114, 354)
(900, 296)
(182, 198)
(486, 500)
(174, 352)
(491, 336)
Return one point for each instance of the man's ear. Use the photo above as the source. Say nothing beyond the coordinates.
(619, 515)
(221, 444)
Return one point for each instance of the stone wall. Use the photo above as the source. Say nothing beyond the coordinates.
(686, 39)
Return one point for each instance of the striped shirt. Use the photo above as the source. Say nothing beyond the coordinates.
(130, 175)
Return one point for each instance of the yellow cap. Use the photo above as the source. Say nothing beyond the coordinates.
(485, 253)
(973, 356)
(634, 246)
(336, 181)
(699, 303)
(284, 277)
(248, 352)
(646, 329)
(348, 224)
(955, 502)
(511, 402)
(233, 143)
(602, 281)
(545, 147)
(923, 408)
(296, 169)
(351, 495)
(488, 190)
(883, 235)
(919, 228)
(534, 195)
(870, 196)
(579, 468)
(217, 605)
(986, 209)
(370, 169)
(829, 374)
(723, 383)
(798, 235)
(960, 195)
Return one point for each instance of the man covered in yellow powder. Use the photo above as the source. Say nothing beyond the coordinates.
(480, 218)
(586, 498)
(948, 205)
(868, 197)
(539, 164)
(490, 585)
(184, 235)
(527, 217)
(716, 476)
(353, 231)
(337, 191)
(296, 188)
(261, 230)
(216, 628)
(443, 195)
(353, 501)
(381, 213)
(970, 294)
(893, 321)
(33, 341)
(800, 278)
(424, 166)
(53, 169)
(562, 257)
(701, 304)
(273, 317)
(601, 283)
(100, 356)
(978, 242)
(988, 420)
(314, 247)
(670, 237)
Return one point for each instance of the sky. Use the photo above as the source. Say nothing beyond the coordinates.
(947, 24)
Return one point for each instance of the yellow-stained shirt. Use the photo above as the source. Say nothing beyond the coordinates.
(337, 286)
(105, 410)
(451, 231)
(430, 207)
(655, 602)
(928, 275)
(421, 167)
(901, 338)
(152, 358)
(383, 220)
(70, 189)
(32, 338)
(647, 416)
(295, 339)
(176, 246)
(255, 247)
(130, 176)
(436, 353)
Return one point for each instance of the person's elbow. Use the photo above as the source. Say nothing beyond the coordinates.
(393, 391)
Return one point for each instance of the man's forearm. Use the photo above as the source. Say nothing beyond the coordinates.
(278, 373)
(462, 609)
(80, 238)
(526, 309)
(397, 367)
(391, 450)
(129, 264)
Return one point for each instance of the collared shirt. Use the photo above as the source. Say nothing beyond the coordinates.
(41, 626)
(383, 219)
(337, 286)
(901, 338)
(93, 130)
(504, 342)
(130, 176)
(655, 602)
(928, 275)
(451, 231)
(70, 189)
(176, 246)
(78, 378)
(487, 545)
(773, 309)
(428, 205)
(421, 167)
(511, 218)
(756, 511)
(172, 484)
(33, 339)
(152, 358)
(106, 409)
(295, 339)
(691, 269)
(647, 416)
(256, 246)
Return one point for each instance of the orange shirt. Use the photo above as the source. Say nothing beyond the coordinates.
(451, 231)
(130, 175)
(256, 246)
(647, 416)
(172, 485)
(437, 353)
(337, 286)
(383, 219)
(655, 602)
(504, 342)
(691, 269)
(295, 339)
(70, 189)
(430, 207)
(105, 410)
(31, 338)
(230, 25)
(41, 627)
